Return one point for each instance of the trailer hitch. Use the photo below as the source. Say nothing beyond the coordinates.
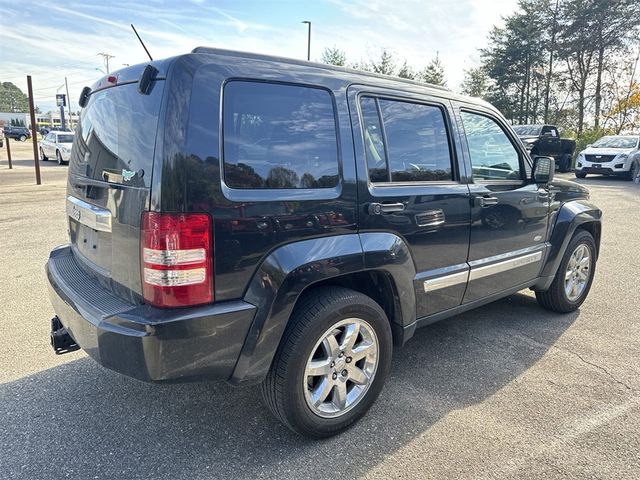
(61, 340)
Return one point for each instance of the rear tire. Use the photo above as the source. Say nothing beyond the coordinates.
(581, 175)
(574, 277)
(316, 385)
(59, 158)
(23, 138)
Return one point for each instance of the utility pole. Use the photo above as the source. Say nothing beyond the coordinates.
(66, 84)
(308, 39)
(106, 58)
(34, 133)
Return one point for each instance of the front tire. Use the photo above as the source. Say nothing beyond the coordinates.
(574, 277)
(564, 165)
(42, 155)
(581, 175)
(633, 173)
(331, 363)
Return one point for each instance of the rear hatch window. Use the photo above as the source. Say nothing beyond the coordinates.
(109, 183)
(116, 135)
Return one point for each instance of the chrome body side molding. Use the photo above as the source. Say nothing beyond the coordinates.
(446, 281)
(477, 272)
(505, 265)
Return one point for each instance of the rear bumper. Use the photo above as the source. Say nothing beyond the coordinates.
(141, 341)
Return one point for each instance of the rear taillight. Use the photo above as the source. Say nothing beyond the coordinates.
(176, 258)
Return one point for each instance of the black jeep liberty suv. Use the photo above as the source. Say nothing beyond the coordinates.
(256, 219)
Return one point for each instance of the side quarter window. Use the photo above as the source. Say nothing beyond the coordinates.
(493, 156)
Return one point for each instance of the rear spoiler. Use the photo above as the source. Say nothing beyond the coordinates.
(144, 75)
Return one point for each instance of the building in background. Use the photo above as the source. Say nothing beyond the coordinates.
(49, 119)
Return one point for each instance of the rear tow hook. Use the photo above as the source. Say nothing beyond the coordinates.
(61, 340)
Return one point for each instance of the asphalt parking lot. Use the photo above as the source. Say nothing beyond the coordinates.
(506, 391)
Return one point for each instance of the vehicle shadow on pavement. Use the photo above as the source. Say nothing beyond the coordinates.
(82, 420)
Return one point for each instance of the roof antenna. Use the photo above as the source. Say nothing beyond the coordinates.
(143, 45)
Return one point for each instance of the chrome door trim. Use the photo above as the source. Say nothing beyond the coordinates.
(446, 281)
(483, 270)
(89, 215)
(500, 267)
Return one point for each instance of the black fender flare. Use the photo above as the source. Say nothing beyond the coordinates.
(571, 216)
(290, 269)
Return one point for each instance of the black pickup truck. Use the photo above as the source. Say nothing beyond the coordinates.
(256, 219)
(545, 140)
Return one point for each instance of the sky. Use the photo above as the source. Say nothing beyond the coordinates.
(51, 41)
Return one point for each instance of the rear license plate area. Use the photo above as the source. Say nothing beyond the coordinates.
(88, 237)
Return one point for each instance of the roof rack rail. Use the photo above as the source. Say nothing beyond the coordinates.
(260, 56)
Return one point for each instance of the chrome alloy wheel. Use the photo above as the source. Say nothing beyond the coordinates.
(578, 271)
(341, 368)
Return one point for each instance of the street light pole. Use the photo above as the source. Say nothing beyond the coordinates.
(308, 38)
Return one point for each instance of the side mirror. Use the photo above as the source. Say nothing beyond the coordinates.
(543, 169)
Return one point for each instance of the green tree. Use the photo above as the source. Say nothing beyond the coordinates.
(406, 71)
(475, 83)
(333, 56)
(577, 48)
(12, 99)
(622, 23)
(361, 65)
(433, 73)
(385, 65)
(515, 61)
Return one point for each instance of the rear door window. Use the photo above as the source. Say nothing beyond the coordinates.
(405, 141)
(278, 136)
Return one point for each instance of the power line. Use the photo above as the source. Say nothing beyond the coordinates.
(70, 83)
(75, 66)
(106, 57)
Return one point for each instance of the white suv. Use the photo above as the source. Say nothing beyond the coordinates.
(611, 155)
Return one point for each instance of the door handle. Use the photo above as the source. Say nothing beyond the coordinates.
(381, 208)
(485, 201)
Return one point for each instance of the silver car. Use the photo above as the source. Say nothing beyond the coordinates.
(56, 145)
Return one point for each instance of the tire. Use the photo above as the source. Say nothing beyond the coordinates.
(42, 155)
(564, 164)
(59, 158)
(580, 174)
(23, 138)
(557, 299)
(288, 387)
(635, 166)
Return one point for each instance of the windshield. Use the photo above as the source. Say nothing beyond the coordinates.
(616, 142)
(527, 130)
(65, 138)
